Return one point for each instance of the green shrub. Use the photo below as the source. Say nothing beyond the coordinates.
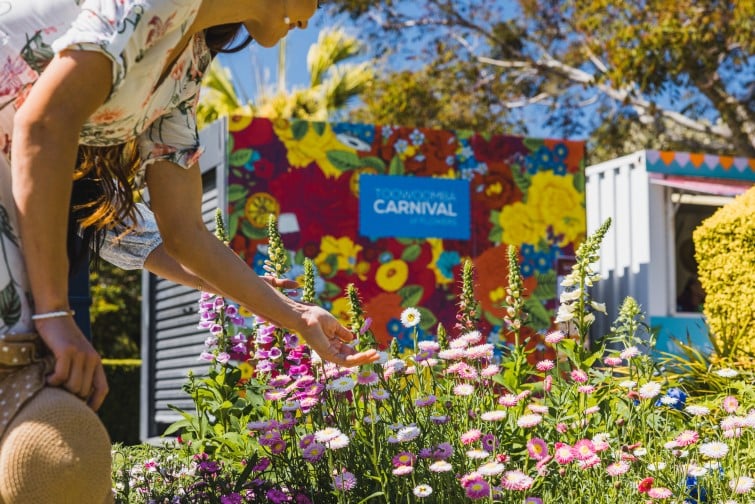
(120, 411)
(725, 252)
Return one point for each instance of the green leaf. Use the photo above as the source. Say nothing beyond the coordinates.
(579, 181)
(299, 129)
(252, 232)
(410, 295)
(237, 192)
(521, 179)
(546, 285)
(374, 162)
(10, 305)
(411, 253)
(240, 157)
(427, 318)
(533, 144)
(233, 223)
(396, 167)
(344, 160)
(539, 315)
(331, 290)
(567, 346)
(319, 127)
(492, 318)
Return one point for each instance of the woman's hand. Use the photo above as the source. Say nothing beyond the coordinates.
(78, 367)
(326, 336)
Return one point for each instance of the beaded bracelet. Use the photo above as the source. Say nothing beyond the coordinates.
(53, 314)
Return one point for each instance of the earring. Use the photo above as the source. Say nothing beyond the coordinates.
(286, 19)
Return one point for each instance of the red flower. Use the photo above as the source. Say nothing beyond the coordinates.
(259, 132)
(498, 148)
(322, 206)
(645, 485)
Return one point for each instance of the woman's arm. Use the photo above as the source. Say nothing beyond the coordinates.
(176, 195)
(45, 141)
(163, 265)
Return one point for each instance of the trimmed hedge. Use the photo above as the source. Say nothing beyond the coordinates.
(725, 252)
(120, 411)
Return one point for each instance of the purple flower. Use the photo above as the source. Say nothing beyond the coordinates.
(276, 496)
(208, 467)
(233, 498)
(223, 357)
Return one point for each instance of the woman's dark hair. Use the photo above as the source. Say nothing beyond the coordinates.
(218, 38)
(101, 197)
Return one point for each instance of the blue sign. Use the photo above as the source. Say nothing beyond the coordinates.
(413, 207)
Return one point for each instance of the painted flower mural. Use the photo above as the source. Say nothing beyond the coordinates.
(523, 191)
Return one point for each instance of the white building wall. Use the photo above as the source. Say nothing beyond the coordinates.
(629, 257)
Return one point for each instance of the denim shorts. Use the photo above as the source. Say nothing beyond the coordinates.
(129, 251)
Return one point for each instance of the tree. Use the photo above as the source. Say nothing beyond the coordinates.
(333, 83)
(674, 74)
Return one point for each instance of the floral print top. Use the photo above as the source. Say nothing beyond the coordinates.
(139, 37)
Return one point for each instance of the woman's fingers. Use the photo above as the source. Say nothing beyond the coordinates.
(78, 367)
(61, 371)
(100, 388)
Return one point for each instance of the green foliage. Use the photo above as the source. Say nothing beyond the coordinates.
(725, 253)
(115, 311)
(448, 416)
(120, 411)
(633, 74)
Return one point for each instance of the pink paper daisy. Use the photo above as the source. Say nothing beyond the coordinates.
(563, 453)
(516, 480)
(617, 468)
(687, 437)
(529, 420)
(345, 481)
(584, 449)
(579, 376)
(659, 493)
(403, 458)
(545, 365)
(477, 489)
(471, 436)
(537, 448)
(554, 337)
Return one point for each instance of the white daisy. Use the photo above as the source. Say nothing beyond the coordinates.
(714, 449)
(726, 372)
(410, 317)
(696, 410)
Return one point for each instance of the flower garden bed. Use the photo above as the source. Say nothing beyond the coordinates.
(457, 419)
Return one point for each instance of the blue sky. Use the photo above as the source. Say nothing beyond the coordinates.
(256, 67)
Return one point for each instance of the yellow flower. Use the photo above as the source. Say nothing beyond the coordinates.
(239, 120)
(341, 310)
(520, 224)
(343, 248)
(391, 276)
(498, 295)
(313, 146)
(555, 200)
(363, 267)
(244, 312)
(258, 208)
(246, 370)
